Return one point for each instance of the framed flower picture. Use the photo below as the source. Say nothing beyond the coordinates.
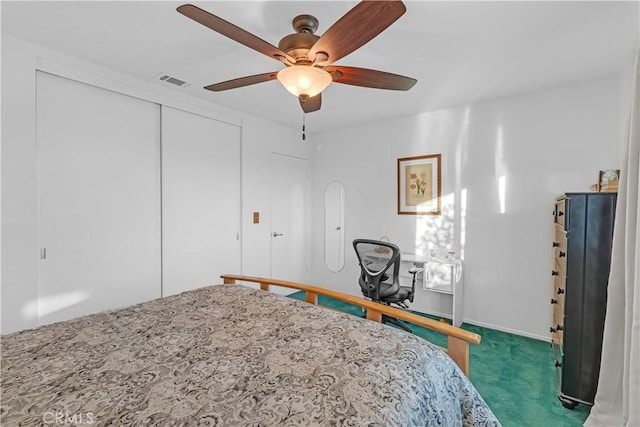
(419, 185)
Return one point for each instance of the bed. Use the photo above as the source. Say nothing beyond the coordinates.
(231, 355)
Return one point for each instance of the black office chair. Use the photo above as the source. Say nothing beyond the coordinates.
(379, 268)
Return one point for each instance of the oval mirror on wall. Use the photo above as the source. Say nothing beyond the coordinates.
(334, 226)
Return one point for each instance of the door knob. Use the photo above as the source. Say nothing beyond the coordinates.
(276, 234)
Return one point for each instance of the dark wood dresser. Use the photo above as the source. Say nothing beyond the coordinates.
(582, 256)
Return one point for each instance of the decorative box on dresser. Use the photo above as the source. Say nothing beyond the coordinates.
(582, 256)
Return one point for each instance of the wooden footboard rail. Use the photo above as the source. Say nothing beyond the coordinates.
(457, 342)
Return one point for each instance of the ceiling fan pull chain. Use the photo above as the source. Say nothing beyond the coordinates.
(304, 117)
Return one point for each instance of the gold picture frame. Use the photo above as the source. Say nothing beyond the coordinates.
(419, 186)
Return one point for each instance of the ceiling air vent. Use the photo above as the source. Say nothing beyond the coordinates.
(172, 80)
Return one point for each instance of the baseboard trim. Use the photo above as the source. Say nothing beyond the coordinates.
(507, 330)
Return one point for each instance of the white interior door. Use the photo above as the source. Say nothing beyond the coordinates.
(200, 200)
(289, 192)
(99, 199)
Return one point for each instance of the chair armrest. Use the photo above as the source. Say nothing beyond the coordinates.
(414, 271)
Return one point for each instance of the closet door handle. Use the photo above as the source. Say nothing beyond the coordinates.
(554, 273)
(558, 364)
(562, 254)
(554, 301)
(555, 245)
(560, 291)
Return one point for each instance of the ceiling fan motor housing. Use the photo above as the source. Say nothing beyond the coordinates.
(298, 44)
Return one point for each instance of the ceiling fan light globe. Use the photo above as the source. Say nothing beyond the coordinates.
(304, 80)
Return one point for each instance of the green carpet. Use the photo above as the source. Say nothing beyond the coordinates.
(514, 374)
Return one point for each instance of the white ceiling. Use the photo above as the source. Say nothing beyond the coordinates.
(460, 52)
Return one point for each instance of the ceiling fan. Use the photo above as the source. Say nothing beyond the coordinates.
(308, 57)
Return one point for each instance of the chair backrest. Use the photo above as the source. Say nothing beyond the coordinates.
(379, 266)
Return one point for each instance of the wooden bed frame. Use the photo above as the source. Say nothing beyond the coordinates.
(457, 339)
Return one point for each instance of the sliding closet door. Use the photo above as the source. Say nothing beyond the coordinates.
(99, 195)
(200, 200)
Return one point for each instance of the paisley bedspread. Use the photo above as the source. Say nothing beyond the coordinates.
(231, 356)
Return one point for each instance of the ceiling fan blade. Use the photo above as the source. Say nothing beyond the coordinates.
(242, 81)
(234, 32)
(357, 27)
(370, 78)
(309, 105)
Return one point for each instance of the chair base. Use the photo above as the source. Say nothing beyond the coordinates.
(396, 322)
(388, 319)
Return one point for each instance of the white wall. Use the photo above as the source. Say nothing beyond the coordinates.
(20, 60)
(543, 143)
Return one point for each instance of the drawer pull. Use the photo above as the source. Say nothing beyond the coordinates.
(555, 245)
(554, 301)
(560, 213)
(558, 364)
(560, 291)
(552, 329)
(559, 328)
(562, 254)
(554, 273)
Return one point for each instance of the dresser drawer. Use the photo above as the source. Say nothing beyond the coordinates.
(559, 268)
(557, 317)
(557, 325)
(559, 271)
(559, 212)
(559, 291)
(560, 243)
(557, 337)
(559, 285)
(558, 309)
